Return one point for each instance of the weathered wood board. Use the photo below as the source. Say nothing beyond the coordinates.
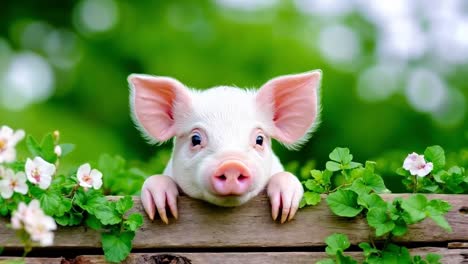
(209, 234)
(450, 256)
(201, 225)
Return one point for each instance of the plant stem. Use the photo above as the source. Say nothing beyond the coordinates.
(415, 184)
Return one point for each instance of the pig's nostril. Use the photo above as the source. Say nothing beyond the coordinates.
(242, 178)
(222, 177)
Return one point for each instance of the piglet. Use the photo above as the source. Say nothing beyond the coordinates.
(222, 140)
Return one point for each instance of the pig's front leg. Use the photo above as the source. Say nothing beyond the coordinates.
(285, 191)
(157, 192)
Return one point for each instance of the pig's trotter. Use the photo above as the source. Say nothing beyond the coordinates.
(158, 192)
(285, 191)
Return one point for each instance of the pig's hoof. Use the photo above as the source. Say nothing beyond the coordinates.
(285, 192)
(158, 193)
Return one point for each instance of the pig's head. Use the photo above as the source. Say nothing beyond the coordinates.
(222, 152)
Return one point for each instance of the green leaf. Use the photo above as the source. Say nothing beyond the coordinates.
(124, 204)
(380, 220)
(393, 254)
(401, 228)
(436, 209)
(134, 221)
(371, 201)
(3, 207)
(327, 174)
(343, 259)
(107, 214)
(33, 146)
(432, 258)
(441, 206)
(341, 155)
(436, 155)
(66, 148)
(312, 198)
(317, 175)
(353, 165)
(54, 204)
(344, 203)
(47, 149)
(374, 182)
(117, 246)
(69, 219)
(415, 207)
(333, 166)
(313, 186)
(93, 222)
(90, 200)
(336, 243)
(368, 249)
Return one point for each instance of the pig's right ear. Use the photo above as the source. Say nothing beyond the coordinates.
(153, 101)
(292, 104)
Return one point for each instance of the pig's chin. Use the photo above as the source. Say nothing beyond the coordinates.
(228, 200)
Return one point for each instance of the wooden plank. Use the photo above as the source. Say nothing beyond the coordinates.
(450, 256)
(202, 225)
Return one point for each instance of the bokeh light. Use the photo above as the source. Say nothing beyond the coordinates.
(95, 16)
(27, 79)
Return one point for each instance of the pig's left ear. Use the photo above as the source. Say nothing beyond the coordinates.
(294, 103)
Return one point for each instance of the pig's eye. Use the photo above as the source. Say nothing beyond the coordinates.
(259, 140)
(196, 139)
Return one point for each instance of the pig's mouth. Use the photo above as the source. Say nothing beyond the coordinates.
(227, 200)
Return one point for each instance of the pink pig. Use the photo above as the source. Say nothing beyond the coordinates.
(222, 147)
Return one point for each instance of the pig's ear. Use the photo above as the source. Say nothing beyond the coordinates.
(153, 101)
(293, 101)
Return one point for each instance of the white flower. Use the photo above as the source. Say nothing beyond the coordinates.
(89, 178)
(416, 165)
(12, 182)
(35, 222)
(18, 216)
(58, 151)
(39, 172)
(8, 141)
(40, 230)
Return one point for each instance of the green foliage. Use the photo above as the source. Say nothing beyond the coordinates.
(453, 180)
(355, 192)
(72, 205)
(116, 169)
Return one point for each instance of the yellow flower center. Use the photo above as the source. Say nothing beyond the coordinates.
(13, 184)
(88, 179)
(36, 174)
(3, 144)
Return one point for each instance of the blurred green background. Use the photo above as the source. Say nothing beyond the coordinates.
(394, 71)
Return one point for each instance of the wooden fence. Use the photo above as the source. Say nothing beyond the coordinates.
(209, 234)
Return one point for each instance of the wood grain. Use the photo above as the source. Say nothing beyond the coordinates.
(202, 225)
(450, 256)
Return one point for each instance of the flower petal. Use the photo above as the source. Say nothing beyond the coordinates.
(83, 170)
(21, 187)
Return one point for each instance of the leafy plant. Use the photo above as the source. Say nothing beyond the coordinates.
(72, 199)
(453, 180)
(353, 189)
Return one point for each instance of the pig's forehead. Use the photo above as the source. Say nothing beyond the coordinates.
(226, 106)
(223, 95)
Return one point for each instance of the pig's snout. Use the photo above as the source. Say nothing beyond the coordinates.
(232, 177)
